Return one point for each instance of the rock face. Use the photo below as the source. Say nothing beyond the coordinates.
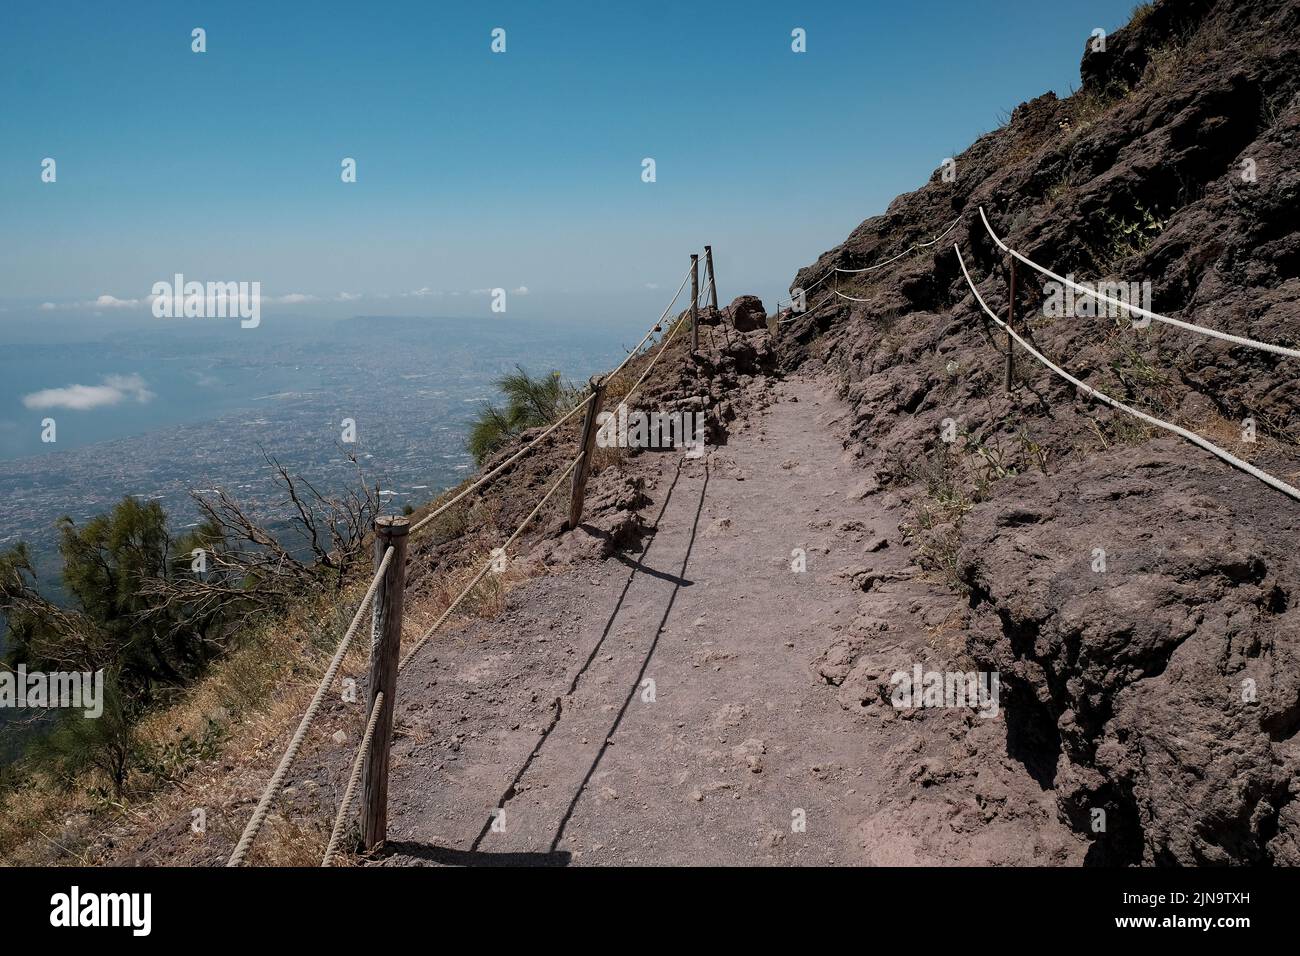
(731, 371)
(1136, 594)
(746, 313)
(1146, 642)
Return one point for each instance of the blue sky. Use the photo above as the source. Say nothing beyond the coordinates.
(480, 170)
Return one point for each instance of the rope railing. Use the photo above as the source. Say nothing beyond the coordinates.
(799, 315)
(390, 573)
(497, 470)
(704, 293)
(663, 347)
(442, 619)
(442, 509)
(354, 778)
(833, 270)
(849, 297)
(911, 249)
(1138, 310)
(685, 279)
(1190, 436)
(295, 744)
(363, 750)
(791, 300)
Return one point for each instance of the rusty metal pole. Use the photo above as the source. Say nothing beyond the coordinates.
(695, 311)
(713, 283)
(1011, 320)
(587, 447)
(385, 649)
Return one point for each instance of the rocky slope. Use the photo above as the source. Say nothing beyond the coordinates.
(1136, 594)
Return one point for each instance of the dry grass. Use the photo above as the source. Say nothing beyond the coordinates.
(1231, 436)
(1163, 67)
(1140, 13)
(256, 696)
(612, 457)
(216, 746)
(616, 389)
(947, 639)
(1087, 106)
(250, 697)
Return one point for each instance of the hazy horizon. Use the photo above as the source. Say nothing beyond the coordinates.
(483, 181)
(479, 170)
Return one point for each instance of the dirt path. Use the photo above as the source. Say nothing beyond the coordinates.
(751, 724)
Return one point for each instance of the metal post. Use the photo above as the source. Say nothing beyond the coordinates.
(385, 649)
(587, 448)
(1011, 320)
(695, 312)
(713, 283)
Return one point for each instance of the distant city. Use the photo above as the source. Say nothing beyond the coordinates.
(411, 385)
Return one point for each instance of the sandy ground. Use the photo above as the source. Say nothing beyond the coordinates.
(668, 706)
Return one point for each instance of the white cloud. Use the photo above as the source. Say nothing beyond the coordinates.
(98, 303)
(522, 290)
(114, 390)
(113, 302)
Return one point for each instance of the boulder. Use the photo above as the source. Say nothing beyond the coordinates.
(746, 313)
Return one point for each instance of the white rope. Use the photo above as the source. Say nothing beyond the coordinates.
(807, 290)
(878, 265)
(484, 570)
(554, 425)
(849, 297)
(1191, 436)
(797, 315)
(277, 779)
(908, 252)
(1137, 310)
(501, 467)
(663, 347)
(630, 355)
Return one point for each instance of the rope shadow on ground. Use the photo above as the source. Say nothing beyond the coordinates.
(556, 712)
(679, 582)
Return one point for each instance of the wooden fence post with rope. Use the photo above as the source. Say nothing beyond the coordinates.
(713, 286)
(384, 598)
(586, 448)
(695, 299)
(385, 649)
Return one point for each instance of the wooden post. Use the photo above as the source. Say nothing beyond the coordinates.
(695, 312)
(1011, 319)
(385, 649)
(587, 448)
(713, 284)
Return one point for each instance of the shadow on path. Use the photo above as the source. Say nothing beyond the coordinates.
(556, 712)
(679, 582)
(446, 856)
